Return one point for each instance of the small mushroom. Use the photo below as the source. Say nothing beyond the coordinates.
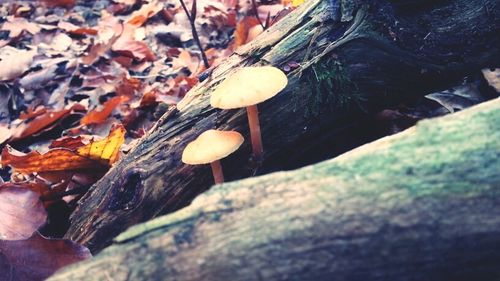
(210, 147)
(246, 88)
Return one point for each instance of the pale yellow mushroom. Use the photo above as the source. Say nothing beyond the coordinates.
(210, 147)
(247, 87)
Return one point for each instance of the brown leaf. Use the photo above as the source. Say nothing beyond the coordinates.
(21, 212)
(38, 257)
(97, 155)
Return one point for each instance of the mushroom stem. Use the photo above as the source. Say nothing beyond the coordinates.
(253, 123)
(217, 172)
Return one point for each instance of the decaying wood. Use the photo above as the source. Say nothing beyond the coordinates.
(420, 205)
(387, 51)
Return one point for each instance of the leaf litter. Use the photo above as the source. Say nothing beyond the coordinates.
(80, 81)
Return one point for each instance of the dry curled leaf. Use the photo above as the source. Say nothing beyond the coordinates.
(21, 212)
(97, 155)
(38, 257)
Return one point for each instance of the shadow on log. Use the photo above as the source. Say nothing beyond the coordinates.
(420, 205)
(355, 57)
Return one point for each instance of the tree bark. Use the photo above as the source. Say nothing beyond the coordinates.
(420, 205)
(355, 57)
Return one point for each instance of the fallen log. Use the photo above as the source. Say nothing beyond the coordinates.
(354, 57)
(420, 205)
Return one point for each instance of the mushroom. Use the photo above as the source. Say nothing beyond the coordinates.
(210, 147)
(246, 88)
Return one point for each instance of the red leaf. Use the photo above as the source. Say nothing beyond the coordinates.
(37, 257)
(59, 3)
(21, 212)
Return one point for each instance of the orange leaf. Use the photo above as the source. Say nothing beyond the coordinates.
(71, 143)
(76, 30)
(96, 155)
(42, 122)
(242, 28)
(32, 113)
(140, 16)
(59, 159)
(99, 116)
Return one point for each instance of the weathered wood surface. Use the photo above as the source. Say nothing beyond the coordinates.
(388, 51)
(420, 205)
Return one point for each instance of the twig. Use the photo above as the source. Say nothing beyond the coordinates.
(256, 13)
(192, 17)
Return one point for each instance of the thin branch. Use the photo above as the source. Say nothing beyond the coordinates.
(256, 13)
(192, 19)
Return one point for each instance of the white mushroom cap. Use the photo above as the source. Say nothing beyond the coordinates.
(248, 86)
(210, 146)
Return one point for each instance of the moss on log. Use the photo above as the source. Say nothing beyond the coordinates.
(420, 205)
(380, 53)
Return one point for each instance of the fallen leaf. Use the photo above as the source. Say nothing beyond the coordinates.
(21, 212)
(59, 159)
(59, 3)
(105, 151)
(70, 143)
(242, 29)
(16, 26)
(76, 30)
(97, 155)
(14, 62)
(134, 49)
(38, 257)
(99, 116)
(32, 113)
(140, 16)
(43, 122)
